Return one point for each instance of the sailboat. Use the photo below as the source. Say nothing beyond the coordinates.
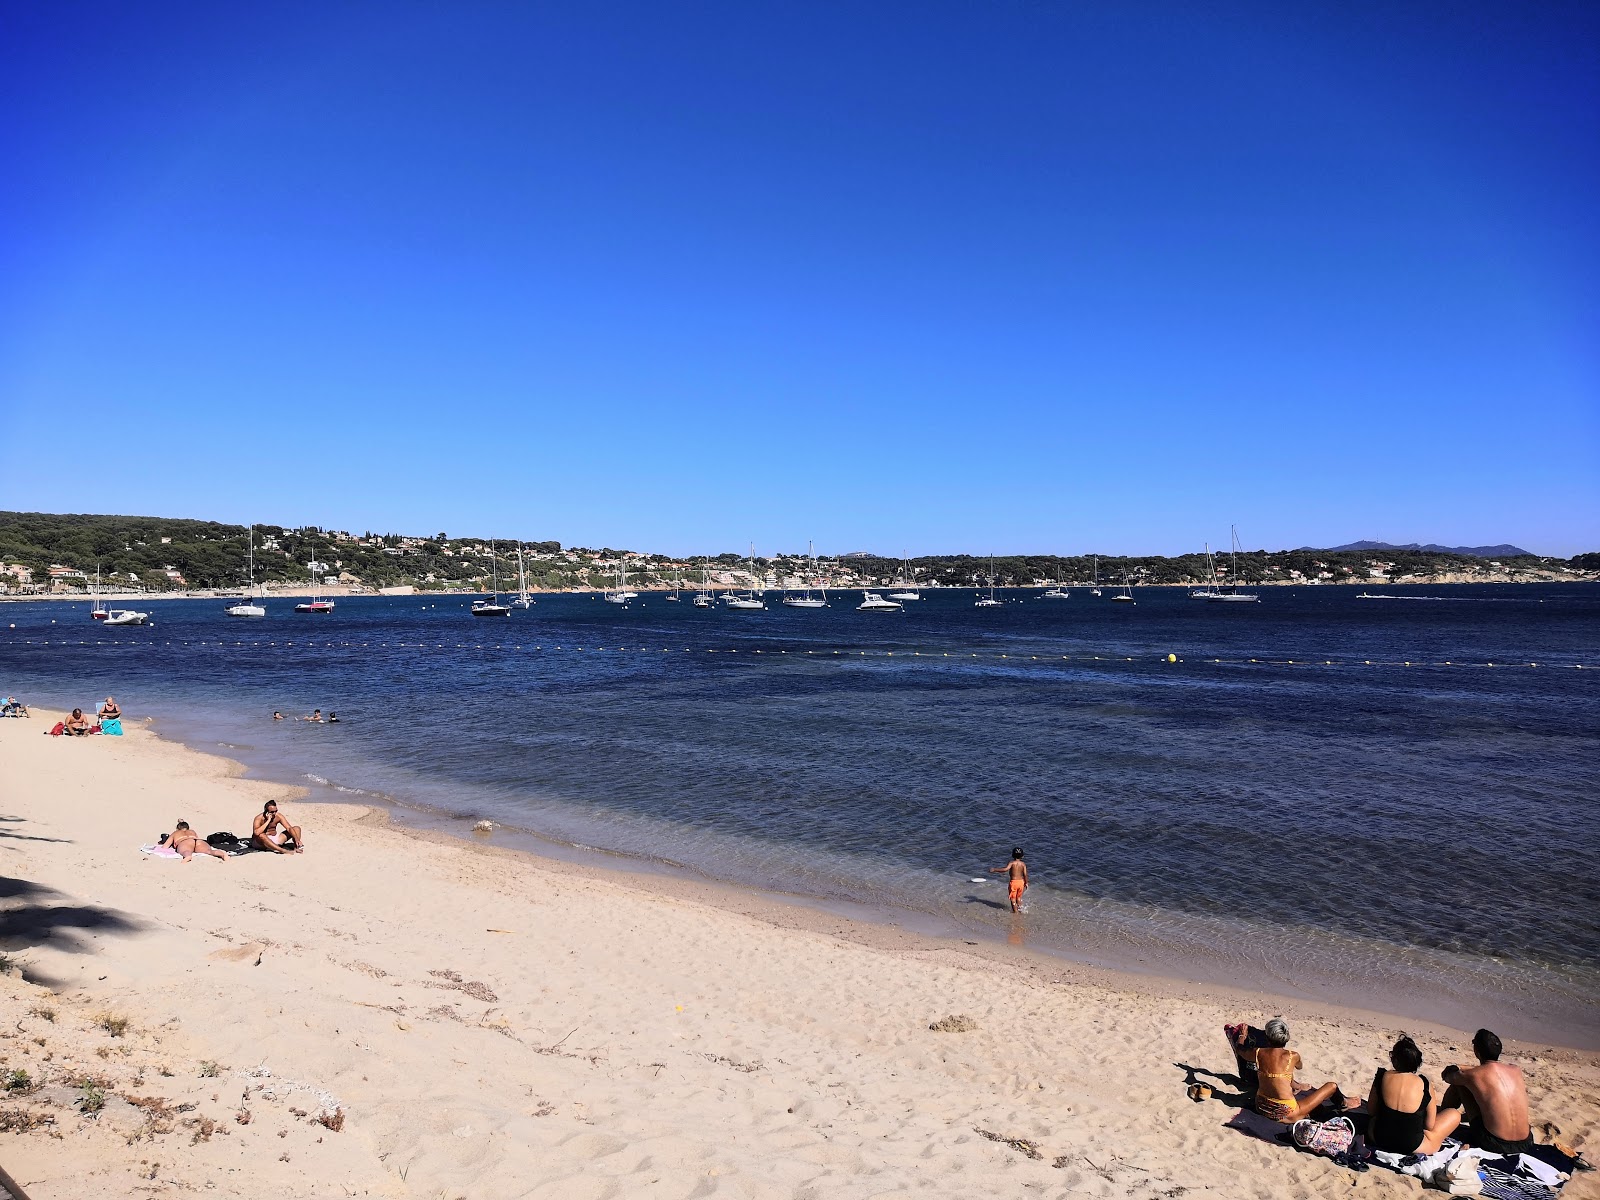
(907, 583)
(98, 611)
(703, 598)
(1126, 595)
(990, 601)
(492, 607)
(523, 600)
(1057, 593)
(620, 594)
(316, 604)
(248, 607)
(677, 586)
(807, 600)
(1095, 590)
(1233, 595)
(1210, 591)
(749, 601)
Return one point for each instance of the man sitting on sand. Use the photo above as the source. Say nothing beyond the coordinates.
(1493, 1097)
(271, 832)
(1018, 872)
(188, 843)
(77, 725)
(1278, 1096)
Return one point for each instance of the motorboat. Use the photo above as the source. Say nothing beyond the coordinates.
(1057, 593)
(125, 616)
(872, 602)
(315, 606)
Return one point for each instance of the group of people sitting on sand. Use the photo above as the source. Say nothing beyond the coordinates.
(1485, 1105)
(78, 725)
(270, 831)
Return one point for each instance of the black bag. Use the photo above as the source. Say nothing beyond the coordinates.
(224, 841)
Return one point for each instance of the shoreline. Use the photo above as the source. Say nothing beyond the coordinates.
(493, 1024)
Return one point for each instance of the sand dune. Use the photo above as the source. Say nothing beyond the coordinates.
(481, 1023)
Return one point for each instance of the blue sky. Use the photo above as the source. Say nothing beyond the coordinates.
(981, 276)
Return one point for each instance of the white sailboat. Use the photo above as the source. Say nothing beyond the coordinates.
(988, 601)
(749, 602)
(907, 583)
(1234, 595)
(1057, 593)
(1125, 596)
(703, 598)
(1210, 590)
(247, 607)
(620, 594)
(492, 607)
(523, 600)
(808, 600)
(98, 611)
(1095, 590)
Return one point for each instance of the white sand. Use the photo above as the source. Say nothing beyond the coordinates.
(495, 1025)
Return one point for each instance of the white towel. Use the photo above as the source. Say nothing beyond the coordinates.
(156, 851)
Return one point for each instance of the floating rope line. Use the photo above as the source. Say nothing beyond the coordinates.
(1168, 659)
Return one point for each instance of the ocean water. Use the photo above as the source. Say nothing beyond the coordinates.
(1324, 821)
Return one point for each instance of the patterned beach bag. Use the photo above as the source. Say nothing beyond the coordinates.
(1332, 1137)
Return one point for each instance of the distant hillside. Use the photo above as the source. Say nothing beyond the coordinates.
(1500, 551)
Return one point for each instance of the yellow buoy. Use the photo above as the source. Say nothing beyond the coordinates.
(1172, 658)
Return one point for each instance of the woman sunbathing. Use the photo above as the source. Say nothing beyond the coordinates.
(1278, 1097)
(188, 843)
(1403, 1118)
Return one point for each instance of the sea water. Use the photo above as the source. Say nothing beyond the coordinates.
(1308, 815)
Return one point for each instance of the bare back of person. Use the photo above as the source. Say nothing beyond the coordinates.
(1501, 1097)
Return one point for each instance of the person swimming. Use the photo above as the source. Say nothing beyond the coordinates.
(1018, 881)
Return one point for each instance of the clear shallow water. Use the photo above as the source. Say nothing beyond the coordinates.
(1419, 839)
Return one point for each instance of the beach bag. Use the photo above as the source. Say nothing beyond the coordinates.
(224, 841)
(60, 728)
(1459, 1177)
(1332, 1137)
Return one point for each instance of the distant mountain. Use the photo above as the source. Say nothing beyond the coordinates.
(1501, 551)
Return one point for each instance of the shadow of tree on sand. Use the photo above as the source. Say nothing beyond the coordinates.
(31, 915)
(23, 837)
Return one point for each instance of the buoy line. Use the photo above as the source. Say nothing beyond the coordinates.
(1169, 658)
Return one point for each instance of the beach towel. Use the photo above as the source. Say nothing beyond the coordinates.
(155, 851)
(112, 726)
(1512, 1177)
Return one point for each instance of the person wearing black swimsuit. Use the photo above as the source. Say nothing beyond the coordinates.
(1402, 1117)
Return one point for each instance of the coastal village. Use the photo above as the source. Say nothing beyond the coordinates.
(67, 556)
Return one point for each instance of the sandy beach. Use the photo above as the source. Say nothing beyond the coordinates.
(403, 1014)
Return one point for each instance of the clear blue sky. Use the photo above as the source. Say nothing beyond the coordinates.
(928, 276)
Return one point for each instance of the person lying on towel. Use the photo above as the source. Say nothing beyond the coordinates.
(1278, 1097)
(271, 831)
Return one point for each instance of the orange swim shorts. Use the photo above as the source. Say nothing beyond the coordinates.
(1016, 890)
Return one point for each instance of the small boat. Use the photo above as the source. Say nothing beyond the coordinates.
(807, 600)
(316, 604)
(1234, 595)
(98, 611)
(492, 606)
(125, 616)
(247, 607)
(1095, 590)
(1057, 593)
(620, 594)
(750, 601)
(989, 601)
(523, 600)
(703, 598)
(872, 602)
(907, 583)
(1126, 595)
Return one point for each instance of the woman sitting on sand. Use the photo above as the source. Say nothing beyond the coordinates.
(1277, 1096)
(1403, 1118)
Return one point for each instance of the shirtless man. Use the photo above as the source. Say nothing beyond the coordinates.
(1017, 870)
(271, 832)
(188, 843)
(1492, 1096)
(77, 724)
(315, 718)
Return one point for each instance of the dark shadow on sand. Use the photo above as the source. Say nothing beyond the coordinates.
(1001, 905)
(30, 916)
(25, 837)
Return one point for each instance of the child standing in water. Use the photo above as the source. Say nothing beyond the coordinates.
(1018, 872)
